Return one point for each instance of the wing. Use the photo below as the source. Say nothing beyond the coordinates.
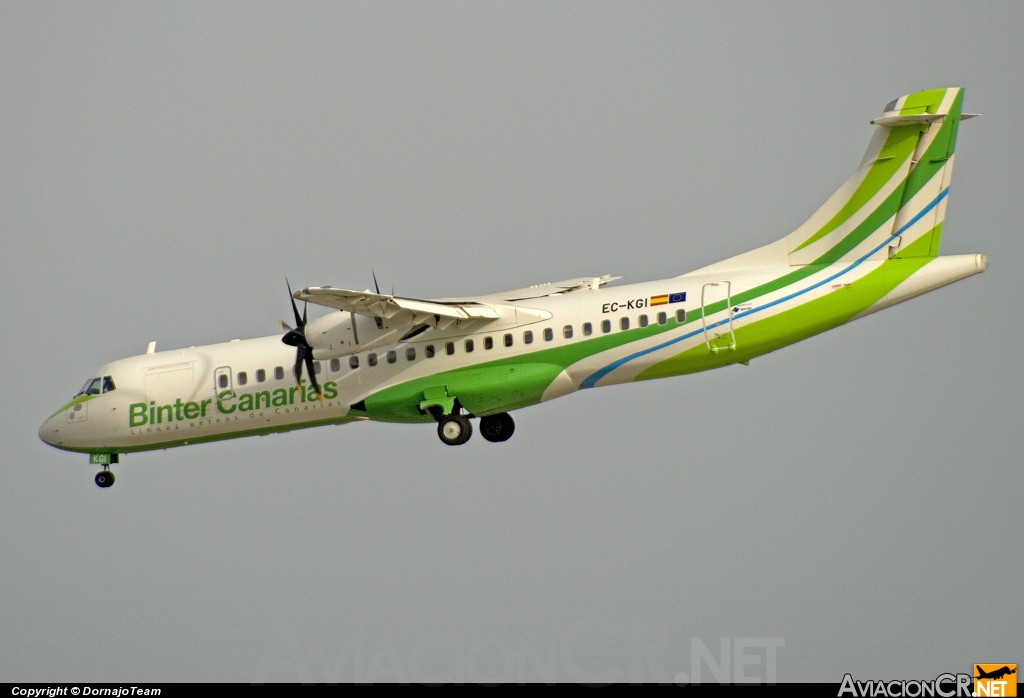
(553, 288)
(387, 307)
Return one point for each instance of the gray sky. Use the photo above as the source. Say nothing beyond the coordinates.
(852, 503)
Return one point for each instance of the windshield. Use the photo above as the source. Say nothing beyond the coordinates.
(93, 386)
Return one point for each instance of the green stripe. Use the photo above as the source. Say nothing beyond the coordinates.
(899, 146)
(77, 400)
(795, 324)
(262, 431)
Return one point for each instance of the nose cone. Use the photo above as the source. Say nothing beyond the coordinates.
(62, 426)
(48, 430)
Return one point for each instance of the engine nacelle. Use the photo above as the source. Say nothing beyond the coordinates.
(340, 334)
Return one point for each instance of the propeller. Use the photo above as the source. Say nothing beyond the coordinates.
(296, 337)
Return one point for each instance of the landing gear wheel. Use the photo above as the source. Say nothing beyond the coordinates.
(104, 479)
(497, 427)
(454, 429)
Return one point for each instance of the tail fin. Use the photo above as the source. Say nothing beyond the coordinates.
(894, 203)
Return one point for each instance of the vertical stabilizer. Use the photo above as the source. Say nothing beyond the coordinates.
(893, 204)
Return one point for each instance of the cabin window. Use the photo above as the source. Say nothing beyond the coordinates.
(371, 359)
(410, 353)
(488, 342)
(606, 326)
(316, 367)
(624, 323)
(242, 378)
(469, 345)
(662, 318)
(279, 372)
(549, 334)
(108, 384)
(222, 380)
(642, 321)
(392, 356)
(449, 348)
(508, 340)
(335, 365)
(588, 329)
(528, 337)
(428, 351)
(567, 331)
(261, 375)
(353, 361)
(680, 315)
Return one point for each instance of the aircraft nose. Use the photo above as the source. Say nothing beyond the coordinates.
(49, 430)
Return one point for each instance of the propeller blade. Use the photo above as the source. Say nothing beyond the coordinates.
(295, 308)
(311, 372)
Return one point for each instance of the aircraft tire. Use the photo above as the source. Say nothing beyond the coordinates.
(454, 429)
(497, 427)
(104, 479)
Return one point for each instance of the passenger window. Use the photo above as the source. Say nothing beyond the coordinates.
(335, 365)
(680, 315)
(108, 384)
(222, 380)
(588, 329)
(624, 323)
(261, 375)
(316, 367)
(662, 318)
(449, 348)
(549, 334)
(410, 353)
(353, 361)
(469, 345)
(428, 351)
(528, 337)
(392, 356)
(642, 321)
(567, 331)
(606, 326)
(488, 342)
(508, 340)
(243, 378)
(371, 359)
(279, 373)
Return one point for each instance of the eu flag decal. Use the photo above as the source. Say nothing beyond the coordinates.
(677, 297)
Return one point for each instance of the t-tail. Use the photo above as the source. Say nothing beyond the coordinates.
(893, 205)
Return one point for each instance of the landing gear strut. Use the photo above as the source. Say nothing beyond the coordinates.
(497, 427)
(454, 429)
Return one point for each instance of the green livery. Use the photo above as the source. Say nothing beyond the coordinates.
(871, 245)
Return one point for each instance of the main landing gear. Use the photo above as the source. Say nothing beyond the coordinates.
(455, 429)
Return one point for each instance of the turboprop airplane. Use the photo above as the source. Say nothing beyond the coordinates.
(389, 358)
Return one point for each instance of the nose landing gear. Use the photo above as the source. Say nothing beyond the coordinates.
(104, 478)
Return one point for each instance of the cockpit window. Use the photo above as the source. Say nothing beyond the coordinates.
(94, 386)
(91, 387)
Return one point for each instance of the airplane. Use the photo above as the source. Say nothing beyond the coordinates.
(997, 674)
(874, 243)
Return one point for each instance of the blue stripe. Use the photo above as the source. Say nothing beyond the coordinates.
(591, 380)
